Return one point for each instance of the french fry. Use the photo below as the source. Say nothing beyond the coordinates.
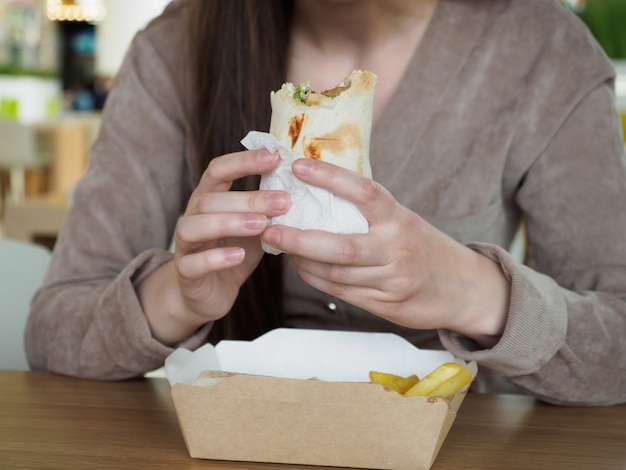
(394, 382)
(405, 383)
(445, 381)
(383, 378)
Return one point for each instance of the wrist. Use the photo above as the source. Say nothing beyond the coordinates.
(485, 310)
(163, 305)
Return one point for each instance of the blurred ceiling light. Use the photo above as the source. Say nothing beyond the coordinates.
(76, 10)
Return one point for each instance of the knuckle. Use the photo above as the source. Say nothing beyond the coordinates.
(253, 203)
(209, 171)
(205, 263)
(217, 175)
(336, 290)
(395, 296)
(371, 190)
(205, 202)
(399, 290)
(296, 244)
(336, 273)
(349, 252)
(183, 230)
(183, 272)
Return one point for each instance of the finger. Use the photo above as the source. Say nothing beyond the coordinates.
(364, 276)
(204, 228)
(360, 296)
(222, 171)
(324, 246)
(372, 199)
(269, 203)
(197, 265)
(377, 301)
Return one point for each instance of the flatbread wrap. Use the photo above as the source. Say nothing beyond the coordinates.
(333, 126)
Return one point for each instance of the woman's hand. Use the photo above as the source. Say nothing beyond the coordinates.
(217, 246)
(404, 269)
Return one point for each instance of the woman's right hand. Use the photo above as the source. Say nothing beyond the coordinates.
(217, 246)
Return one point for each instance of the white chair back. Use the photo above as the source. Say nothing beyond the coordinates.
(19, 150)
(18, 145)
(22, 269)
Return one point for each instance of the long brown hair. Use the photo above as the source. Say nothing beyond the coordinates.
(238, 51)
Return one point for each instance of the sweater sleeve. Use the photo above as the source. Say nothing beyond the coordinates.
(564, 338)
(86, 320)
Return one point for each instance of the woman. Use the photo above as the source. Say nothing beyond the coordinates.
(487, 113)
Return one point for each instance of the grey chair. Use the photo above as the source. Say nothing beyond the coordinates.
(22, 268)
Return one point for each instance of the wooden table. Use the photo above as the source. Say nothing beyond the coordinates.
(54, 422)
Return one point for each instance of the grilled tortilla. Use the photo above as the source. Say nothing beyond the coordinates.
(333, 126)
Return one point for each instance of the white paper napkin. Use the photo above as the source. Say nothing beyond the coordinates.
(311, 207)
(335, 356)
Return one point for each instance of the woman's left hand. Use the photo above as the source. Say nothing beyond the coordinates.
(403, 269)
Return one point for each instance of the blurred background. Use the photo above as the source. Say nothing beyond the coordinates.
(607, 21)
(57, 61)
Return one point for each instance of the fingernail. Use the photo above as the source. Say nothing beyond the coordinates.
(272, 235)
(254, 222)
(303, 166)
(279, 201)
(265, 156)
(234, 255)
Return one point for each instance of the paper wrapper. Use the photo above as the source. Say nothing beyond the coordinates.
(311, 207)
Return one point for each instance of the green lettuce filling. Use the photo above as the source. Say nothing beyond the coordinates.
(301, 91)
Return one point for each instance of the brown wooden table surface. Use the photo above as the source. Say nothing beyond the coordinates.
(49, 421)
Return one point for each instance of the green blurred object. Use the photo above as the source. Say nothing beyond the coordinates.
(606, 20)
(53, 107)
(20, 72)
(9, 108)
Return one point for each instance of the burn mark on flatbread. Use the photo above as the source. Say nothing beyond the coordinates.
(295, 127)
(345, 137)
(312, 148)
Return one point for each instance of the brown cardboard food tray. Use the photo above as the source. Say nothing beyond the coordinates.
(301, 411)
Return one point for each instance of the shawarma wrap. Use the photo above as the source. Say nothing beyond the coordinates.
(333, 126)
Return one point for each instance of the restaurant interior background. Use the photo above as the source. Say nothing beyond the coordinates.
(57, 59)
